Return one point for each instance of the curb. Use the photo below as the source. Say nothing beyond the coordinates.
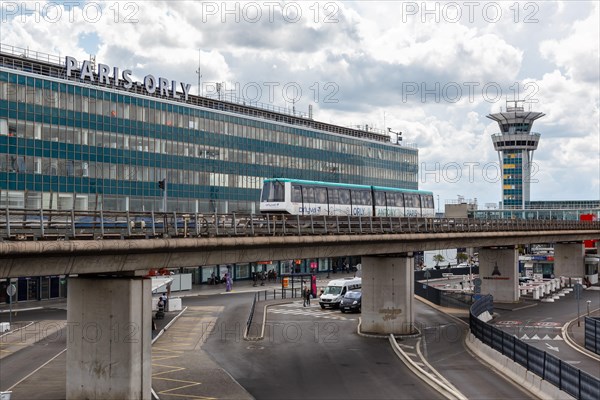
(573, 344)
(446, 390)
(264, 322)
(160, 333)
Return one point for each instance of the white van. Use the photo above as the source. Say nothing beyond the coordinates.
(336, 289)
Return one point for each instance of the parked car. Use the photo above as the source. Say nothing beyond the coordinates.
(351, 301)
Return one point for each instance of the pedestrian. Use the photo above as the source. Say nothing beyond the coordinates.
(228, 282)
(164, 301)
(307, 296)
(213, 280)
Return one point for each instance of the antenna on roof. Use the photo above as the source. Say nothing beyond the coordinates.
(198, 71)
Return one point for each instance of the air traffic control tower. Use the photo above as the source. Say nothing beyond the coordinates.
(515, 145)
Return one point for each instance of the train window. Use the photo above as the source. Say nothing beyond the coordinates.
(321, 195)
(308, 194)
(355, 197)
(334, 196)
(344, 196)
(367, 200)
(380, 199)
(412, 200)
(273, 191)
(427, 201)
(296, 194)
(399, 199)
(361, 197)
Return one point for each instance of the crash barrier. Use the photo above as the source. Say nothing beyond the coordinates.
(563, 375)
(592, 334)
(442, 297)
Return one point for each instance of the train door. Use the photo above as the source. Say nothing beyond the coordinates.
(296, 200)
(380, 208)
(427, 208)
(412, 205)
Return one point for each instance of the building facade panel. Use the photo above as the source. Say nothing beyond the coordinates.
(65, 143)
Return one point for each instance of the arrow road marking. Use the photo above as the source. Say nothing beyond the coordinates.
(552, 347)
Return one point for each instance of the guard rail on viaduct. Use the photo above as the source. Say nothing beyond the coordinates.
(45, 242)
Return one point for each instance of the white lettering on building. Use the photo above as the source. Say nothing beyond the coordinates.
(107, 75)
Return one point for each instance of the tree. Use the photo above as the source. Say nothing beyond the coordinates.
(438, 258)
(461, 257)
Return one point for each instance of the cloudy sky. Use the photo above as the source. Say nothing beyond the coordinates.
(432, 70)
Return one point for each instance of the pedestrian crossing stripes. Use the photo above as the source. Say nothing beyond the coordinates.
(314, 310)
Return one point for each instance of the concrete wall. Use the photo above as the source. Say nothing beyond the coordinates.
(109, 338)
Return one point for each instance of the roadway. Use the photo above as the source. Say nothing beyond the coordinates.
(306, 353)
(541, 325)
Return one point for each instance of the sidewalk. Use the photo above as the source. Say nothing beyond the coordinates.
(242, 286)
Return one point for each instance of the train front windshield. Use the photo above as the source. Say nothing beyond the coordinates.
(273, 191)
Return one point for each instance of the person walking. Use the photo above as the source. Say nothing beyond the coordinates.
(228, 282)
(165, 301)
(304, 297)
(307, 296)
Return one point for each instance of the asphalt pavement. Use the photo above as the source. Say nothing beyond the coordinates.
(179, 333)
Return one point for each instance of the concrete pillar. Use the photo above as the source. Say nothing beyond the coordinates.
(109, 337)
(498, 270)
(569, 259)
(387, 300)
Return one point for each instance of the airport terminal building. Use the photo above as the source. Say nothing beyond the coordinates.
(79, 135)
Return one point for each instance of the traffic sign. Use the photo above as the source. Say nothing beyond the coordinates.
(11, 290)
(578, 288)
(477, 281)
(427, 274)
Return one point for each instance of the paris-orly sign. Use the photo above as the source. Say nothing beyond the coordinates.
(113, 75)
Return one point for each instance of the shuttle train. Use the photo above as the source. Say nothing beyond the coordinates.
(301, 197)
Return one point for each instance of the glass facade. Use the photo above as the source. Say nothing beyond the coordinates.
(69, 144)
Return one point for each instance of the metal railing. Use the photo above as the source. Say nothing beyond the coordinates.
(563, 375)
(28, 224)
(592, 334)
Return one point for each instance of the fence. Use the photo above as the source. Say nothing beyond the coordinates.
(30, 224)
(592, 334)
(441, 297)
(563, 375)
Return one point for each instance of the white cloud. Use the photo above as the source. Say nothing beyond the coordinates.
(353, 61)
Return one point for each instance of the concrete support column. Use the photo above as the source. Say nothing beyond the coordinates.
(387, 300)
(569, 260)
(499, 273)
(109, 337)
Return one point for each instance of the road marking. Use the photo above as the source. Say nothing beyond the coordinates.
(552, 347)
(311, 314)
